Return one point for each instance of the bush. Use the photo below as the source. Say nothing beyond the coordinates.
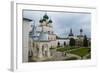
(52, 48)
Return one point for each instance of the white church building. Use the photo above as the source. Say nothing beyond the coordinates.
(41, 41)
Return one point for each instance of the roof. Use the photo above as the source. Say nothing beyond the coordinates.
(80, 35)
(43, 36)
(27, 19)
(38, 36)
(33, 33)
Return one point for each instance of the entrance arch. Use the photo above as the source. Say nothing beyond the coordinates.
(45, 50)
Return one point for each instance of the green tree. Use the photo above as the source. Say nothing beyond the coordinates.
(85, 41)
(72, 42)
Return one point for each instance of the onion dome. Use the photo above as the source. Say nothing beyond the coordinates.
(45, 16)
(81, 30)
(41, 21)
(50, 21)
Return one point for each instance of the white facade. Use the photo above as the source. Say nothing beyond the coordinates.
(25, 33)
(62, 41)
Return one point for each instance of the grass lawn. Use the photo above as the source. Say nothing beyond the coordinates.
(61, 49)
(78, 51)
(66, 48)
(81, 52)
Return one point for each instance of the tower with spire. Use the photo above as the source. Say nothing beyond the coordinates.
(81, 34)
(71, 35)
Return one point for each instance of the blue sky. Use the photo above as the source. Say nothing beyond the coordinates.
(63, 21)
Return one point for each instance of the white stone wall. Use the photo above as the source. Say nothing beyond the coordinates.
(47, 28)
(53, 43)
(25, 39)
(62, 41)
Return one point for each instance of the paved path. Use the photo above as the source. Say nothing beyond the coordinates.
(61, 56)
(73, 55)
(85, 57)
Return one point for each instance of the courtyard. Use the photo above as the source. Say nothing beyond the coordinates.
(66, 53)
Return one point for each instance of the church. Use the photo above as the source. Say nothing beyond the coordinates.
(40, 41)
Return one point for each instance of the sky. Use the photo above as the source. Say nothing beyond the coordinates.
(63, 21)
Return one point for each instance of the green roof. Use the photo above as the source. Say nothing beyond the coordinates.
(50, 21)
(45, 16)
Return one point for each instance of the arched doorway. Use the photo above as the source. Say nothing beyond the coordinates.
(45, 50)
